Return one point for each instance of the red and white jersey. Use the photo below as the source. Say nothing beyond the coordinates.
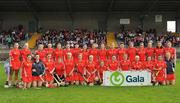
(131, 53)
(137, 65)
(85, 54)
(142, 54)
(80, 65)
(121, 53)
(42, 54)
(24, 53)
(149, 65)
(172, 51)
(58, 53)
(91, 67)
(69, 66)
(125, 65)
(159, 52)
(150, 52)
(14, 54)
(111, 52)
(50, 65)
(76, 52)
(49, 51)
(113, 65)
(59, 68)
(94, 52)
(102, 54)
(27, 68)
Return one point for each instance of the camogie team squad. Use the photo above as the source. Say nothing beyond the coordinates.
(52, 68)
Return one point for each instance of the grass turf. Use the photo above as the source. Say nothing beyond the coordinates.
(96, 94)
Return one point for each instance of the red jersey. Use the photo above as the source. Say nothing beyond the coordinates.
(59, 68)
(171, 50)
(113, 65)
(91, 67)
(69, 66)
(58, 53)
(125, 65)
(149, 65)
(137, 65)
(50, 65)
(142, 54)
(159, 52)
(101, 69)
(49, 51)
(162, 66)
(27, 67)
(102, 54)
(150, 52)
(76, 52)
(121, 53)
(85, 54)
(24, 53)
(80, 65)
(14, 54)
(67, 51)
(131, 53)
(42, 54)
(94, 52)
(111, 52)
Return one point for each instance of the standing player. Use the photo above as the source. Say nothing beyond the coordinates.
(15, 63)
(142, 52)
(159, 50)
(25, 52)
(85, 53)
(91, 71)
(49, 50)
(125, 64)
(67, 51)
(27, 72)
(58, 52)
(38, 70)
(41, 52)
(102, 53)
(112, 51)
(170, 79)
(131, 51)
(49, 67)
(69, 69)
(171, 50)
(94, 52)
(113, 64)
(137, 64)
(150, 50)
(160, 67)
(80, 70)
(76, 52)
(121, 52)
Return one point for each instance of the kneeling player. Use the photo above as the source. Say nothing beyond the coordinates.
(80, 71)
(59, 69)
(170, 79)
(49, 67)
(160, 67)
(137, 64)
(101, 68)
(113, 64)
(69, 69)
(27, 72)
(91, 77)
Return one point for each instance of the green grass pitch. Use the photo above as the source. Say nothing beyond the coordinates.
(96, 94)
